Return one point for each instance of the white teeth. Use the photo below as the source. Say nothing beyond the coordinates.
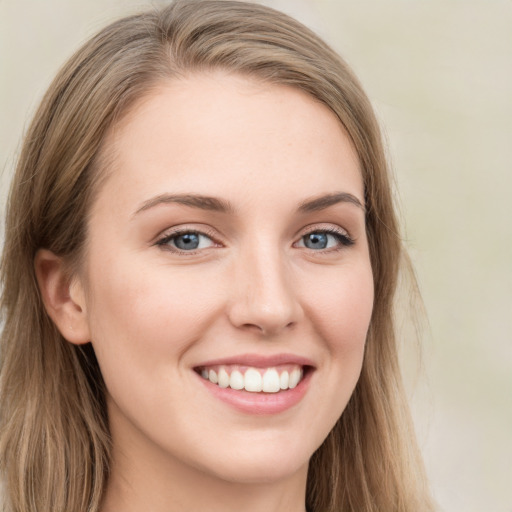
(295, 377)
(254, 380)
(284, 380)
(223, 378)
(236, 380)
(271, 383)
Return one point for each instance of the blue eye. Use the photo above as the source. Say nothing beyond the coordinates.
(186, 241)
(316, 240)
(321, 240)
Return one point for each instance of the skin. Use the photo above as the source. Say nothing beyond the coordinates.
(153, 313)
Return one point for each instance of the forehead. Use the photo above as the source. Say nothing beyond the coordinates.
(212, 132)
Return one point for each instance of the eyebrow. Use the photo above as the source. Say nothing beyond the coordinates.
(323, 202)
(195, 201)
(216, 204)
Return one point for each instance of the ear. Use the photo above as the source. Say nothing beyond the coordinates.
(63, 297)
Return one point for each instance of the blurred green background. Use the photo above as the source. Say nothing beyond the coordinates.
(440, 76)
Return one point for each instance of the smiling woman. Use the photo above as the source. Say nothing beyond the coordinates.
(200, 261)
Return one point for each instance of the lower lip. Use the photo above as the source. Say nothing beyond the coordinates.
(260, 403)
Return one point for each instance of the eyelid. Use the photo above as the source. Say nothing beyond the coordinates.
(163, 238)
(328, 228)
(344, 237)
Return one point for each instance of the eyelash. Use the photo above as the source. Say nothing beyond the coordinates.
(341, 236)
(164, 241)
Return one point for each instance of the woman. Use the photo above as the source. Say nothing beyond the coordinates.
(198, 276)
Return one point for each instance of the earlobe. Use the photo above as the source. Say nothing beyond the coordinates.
(63, 297)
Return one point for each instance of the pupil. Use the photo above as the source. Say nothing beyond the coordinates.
(187, 241)
(316, 241)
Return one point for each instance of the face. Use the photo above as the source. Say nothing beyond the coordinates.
(228, 282)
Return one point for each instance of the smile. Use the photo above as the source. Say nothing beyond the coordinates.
(252, 379)
(258, 384)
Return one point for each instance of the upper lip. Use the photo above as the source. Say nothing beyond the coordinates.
(259, 360)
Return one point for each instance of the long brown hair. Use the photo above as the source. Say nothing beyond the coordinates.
(54, 441)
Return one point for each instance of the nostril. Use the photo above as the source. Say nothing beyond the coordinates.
(265, 328)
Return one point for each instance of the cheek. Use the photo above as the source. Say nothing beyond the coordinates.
(140, 314)
(340, 312)
(342, 317)
(342, 308)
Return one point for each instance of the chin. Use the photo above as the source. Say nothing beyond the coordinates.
(261, 460)
(264, 471)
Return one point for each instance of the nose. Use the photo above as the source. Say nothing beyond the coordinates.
(264, 294)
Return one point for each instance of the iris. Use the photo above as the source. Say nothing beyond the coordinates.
(316, 240)
(187, 241)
